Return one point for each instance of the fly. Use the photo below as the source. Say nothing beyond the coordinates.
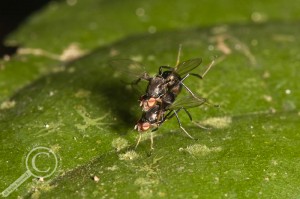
(157, 115)
(171, 81)
(159, 102)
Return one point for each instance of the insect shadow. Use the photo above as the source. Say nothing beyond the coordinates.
(120, 99)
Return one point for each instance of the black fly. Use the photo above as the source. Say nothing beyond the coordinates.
(158, 114)
(170, 81)
(159, 104)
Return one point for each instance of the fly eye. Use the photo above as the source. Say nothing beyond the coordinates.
(145, 126)
(151, 102)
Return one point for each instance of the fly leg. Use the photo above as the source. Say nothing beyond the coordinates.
(187, 88)
(160, 120)
(196, 75)
(169, 116)
(138, 142)
(178, 55)
(135, 82)
(164, 67)
(145, 76)
(201, 126)
(177, 61)
(205, 72)
(151, 138)
(180, 125)
(188, 113)
(208, 68)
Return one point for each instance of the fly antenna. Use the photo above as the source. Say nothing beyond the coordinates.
(138, 141)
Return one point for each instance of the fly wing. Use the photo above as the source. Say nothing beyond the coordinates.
(128, 70)
(130, 73)
(185, 67)
(187, 102)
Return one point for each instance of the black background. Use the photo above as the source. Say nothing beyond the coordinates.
(12, 14)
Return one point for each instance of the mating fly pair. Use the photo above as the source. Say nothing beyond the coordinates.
(159, 104)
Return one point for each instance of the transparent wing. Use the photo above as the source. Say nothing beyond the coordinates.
(128, 70)
(187, 102)
(185, 67)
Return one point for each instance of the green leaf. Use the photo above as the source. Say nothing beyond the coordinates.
(85, 114)
(67, 29)
(92, 23)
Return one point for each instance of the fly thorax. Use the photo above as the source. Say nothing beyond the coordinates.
(152, 114)
(156, 86)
